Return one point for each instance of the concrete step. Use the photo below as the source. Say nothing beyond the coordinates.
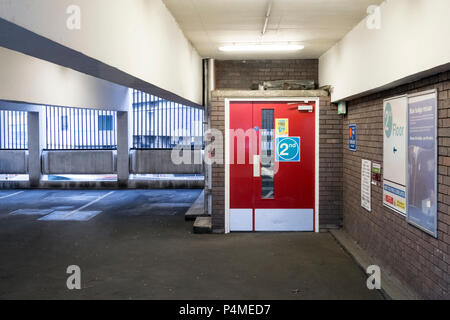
(197, 209)
(203, 225)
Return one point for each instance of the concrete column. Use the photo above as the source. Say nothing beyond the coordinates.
(123, 148)
(36, 143)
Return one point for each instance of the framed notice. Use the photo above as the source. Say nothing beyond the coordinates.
(422, 161)
(395, 118)
(366, 190)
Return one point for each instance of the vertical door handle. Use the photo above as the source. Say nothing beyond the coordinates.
(256, 166)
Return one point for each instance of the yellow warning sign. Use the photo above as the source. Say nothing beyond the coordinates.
(282, 127)
(400, 204)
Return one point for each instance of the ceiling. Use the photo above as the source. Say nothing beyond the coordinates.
(317, 24)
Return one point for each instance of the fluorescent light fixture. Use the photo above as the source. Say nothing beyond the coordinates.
(262, 47)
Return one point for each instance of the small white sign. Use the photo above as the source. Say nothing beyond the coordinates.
(366, 186)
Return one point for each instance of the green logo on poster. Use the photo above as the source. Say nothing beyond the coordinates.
(388, 120)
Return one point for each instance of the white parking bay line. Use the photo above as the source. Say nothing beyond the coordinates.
(11, 195)
(89, 204)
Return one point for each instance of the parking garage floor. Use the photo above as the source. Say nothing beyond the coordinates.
(135, 244)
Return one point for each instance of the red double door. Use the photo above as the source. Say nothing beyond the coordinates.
(272, 166)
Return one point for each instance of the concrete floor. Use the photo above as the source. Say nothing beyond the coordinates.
(140, 247)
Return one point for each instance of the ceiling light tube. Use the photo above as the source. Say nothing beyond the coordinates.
(266, 21)
(262, 47)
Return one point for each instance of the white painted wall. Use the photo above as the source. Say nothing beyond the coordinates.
(414, 38)
(27, 79)
(139, 37)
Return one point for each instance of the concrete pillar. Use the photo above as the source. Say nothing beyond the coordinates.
(123, 148)
(36, 143)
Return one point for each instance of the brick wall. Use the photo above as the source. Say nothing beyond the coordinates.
(241, 74)
(415, 257)
(330, 167)
(217, 120)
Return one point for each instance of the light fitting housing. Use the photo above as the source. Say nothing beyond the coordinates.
(261, 47)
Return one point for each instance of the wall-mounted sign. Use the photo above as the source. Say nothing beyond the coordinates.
(342, 107)
(394, 153)
(422, 162)
(282, 127)
(376, 173)
(366, 190)
(352, 137)
(287, 149)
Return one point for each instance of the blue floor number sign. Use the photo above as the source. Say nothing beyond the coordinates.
(288, 149)
(352, 137)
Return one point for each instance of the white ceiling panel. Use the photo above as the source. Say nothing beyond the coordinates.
(317, 24)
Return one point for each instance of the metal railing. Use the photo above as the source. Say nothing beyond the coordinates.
(80, 129)
(162, 124)
(13, 130)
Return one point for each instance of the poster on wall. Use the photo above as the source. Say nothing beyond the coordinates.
(395, 153)
(282, 127)
(366, 190)
(422, 162)
(376, 173)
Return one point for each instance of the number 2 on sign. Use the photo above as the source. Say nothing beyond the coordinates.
(284, 148)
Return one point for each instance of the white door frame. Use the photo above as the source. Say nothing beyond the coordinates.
(227, 151)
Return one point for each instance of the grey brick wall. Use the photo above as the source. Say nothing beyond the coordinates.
(415, 257)
(217, 114)
(241, 74)
(330, 167)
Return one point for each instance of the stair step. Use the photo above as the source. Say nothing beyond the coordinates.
(203, 225)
